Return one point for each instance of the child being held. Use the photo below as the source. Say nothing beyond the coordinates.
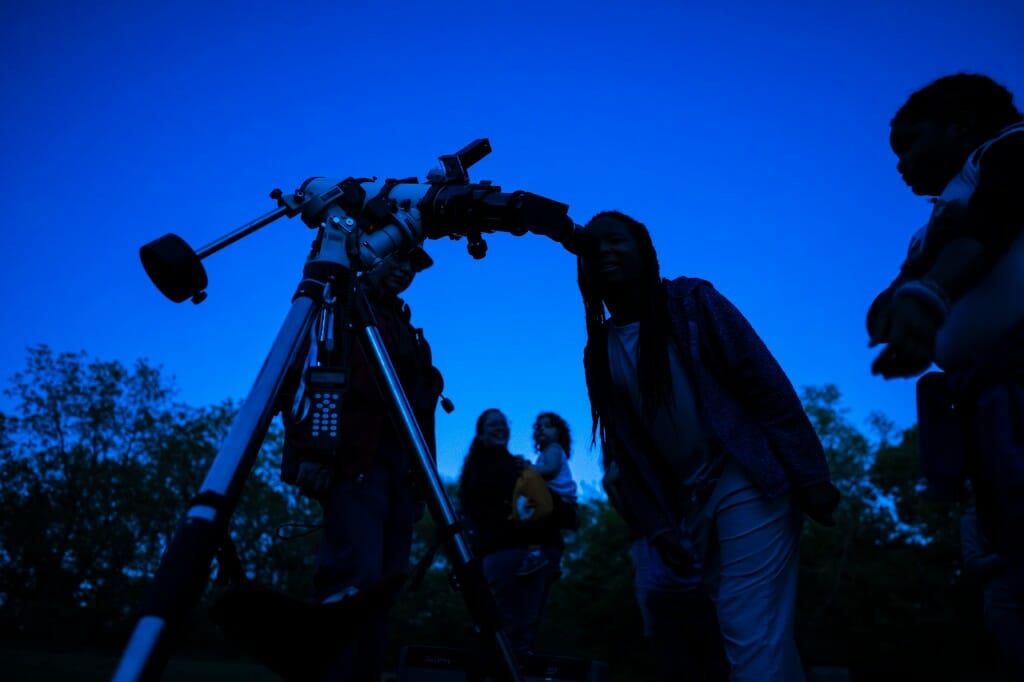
(959, 140)
(552, 441)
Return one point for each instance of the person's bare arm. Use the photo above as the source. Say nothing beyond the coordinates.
(549, 461)
(978, 236)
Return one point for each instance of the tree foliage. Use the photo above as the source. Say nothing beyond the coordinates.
(99, 461)
(882, 588)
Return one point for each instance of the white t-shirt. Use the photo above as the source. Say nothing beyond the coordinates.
(677, 433)
(562, 482)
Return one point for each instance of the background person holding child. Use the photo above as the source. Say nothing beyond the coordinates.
(487, 483)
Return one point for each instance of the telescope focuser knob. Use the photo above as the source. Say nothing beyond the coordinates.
(476, 246)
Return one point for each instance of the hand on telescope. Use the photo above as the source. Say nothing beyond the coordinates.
(313, 479)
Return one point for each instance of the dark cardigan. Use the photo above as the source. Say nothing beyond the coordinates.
(744, 400)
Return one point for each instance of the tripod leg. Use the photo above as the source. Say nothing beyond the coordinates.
(468, 570)
(185, 567)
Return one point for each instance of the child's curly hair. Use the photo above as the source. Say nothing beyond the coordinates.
(962, 99)
(564, 438)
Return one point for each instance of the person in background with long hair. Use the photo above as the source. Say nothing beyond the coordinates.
(707, 451)
(489, 476)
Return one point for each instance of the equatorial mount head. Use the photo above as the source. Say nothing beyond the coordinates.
(361, 221)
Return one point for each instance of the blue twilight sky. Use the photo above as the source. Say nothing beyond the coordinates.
(751, 137)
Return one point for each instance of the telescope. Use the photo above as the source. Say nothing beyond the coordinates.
(359, 222)
(362, 221)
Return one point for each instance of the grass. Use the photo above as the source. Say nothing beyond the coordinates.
(36, 664)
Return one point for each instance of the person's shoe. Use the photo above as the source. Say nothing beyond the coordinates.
(338, 596)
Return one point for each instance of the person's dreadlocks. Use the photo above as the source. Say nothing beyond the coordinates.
(652, 354)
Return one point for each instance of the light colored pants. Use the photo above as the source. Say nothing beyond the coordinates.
(751, 549)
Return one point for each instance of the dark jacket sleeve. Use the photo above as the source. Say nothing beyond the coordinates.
(483, 504)
(742, 363)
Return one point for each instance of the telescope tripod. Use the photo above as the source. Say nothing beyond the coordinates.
(183, 572)
(360, 222)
